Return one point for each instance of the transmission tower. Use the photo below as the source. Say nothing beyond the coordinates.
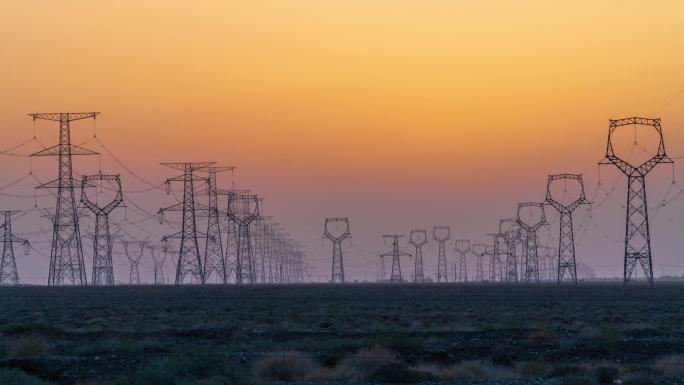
(637, 232)
(8, 265)
(103, 268)
(66, 255)
(158, 261)
(441, 234)
(418, 239)
(134, 259)
(511, 236)
(462, 247)
(495, 271)
(480, 250)
(531, 225)
(189, 258)
(566, 240)
(214, 263)
(395, 253)
(337, 262)
(243, 209)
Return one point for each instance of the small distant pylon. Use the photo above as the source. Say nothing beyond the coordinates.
(189, 257)
(531, 226)
(8, 265)
(134, 258)
(480, 250)
(511, 236)
(66, 255)
(418, 239)
(158, 261)
(103, 267)
(396, 262)
(441, 234)
(495, 270)
(462, 247)
(244, 209)
(337, 261)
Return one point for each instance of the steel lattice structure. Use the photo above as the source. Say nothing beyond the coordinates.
(8, 264)
(566, 240)
(189, 257)
(214, 263)
(531, 256)
(495, 271)
(396, 254)
(103, 267)
(66, 255)
(462, 247)
(441, 241)
(480, 250)
(512, 237)
(637, 231)
(158, 262)
(243, 209)
(418, 239)
(134, 260)
(337, 261)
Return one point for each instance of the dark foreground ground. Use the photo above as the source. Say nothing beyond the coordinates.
(213, 335)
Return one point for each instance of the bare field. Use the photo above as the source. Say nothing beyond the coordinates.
(210, 335)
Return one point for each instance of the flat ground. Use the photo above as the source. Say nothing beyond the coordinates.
(211, 335)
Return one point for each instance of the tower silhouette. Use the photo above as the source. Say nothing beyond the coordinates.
(134, 257)
(189, 258)
(8, 264)
(243, 209)
(441, 234)
(495, 270)
(103, 267)
(480, 250)
(396, 262)
(511, 234)
(637, 231)
(337, 261)
(531, 224)
(66, 255)
(418, 239)
(158, 261)
(462, 247)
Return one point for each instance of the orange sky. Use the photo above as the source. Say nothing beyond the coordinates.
(398, 114)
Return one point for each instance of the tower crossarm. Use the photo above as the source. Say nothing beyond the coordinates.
(64, 116)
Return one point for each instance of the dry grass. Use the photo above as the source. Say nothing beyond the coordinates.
(31, 345)
(479, 370)
(288, 366)
(359, 366)
(672, 365)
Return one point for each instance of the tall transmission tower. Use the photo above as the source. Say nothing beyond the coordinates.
(637, 231)
(480, 250)
(103, 267)
(243, 209)
(441, 234)
(189, 258)
(8, 265)
(495, 270)
(566, 240)
(66, 255)
(134, 259)
(462, 247)
(158, 261)
(214, 263)
(418, 239)
(511, 233)
(231, 230)
(395, 253)
(337, 261)
(531, 223)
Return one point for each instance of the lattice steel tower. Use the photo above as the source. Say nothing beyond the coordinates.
(8, 265)
(396, 262)
(495, 271)
(134, 259)
(531, 225)
(480, 250)
(418, 239)
(637, 232)
(337, 262)
(243, 209)
(66, 255)
(189, 258)
(214, 263)
(441, 234)
(103, 267)
(566, 240)
(462, 247)
(511, 237)
(158, 261)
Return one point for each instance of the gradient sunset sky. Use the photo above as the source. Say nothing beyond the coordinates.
(398, 114)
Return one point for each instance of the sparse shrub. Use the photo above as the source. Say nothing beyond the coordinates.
(604, 338)
(672, 365)
(16, 377)
(288, 366)
(28, 346)
(359, 366)
(605, 374)
(532, 369)
(544, 336)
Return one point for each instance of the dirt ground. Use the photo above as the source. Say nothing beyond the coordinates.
(473, 333)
